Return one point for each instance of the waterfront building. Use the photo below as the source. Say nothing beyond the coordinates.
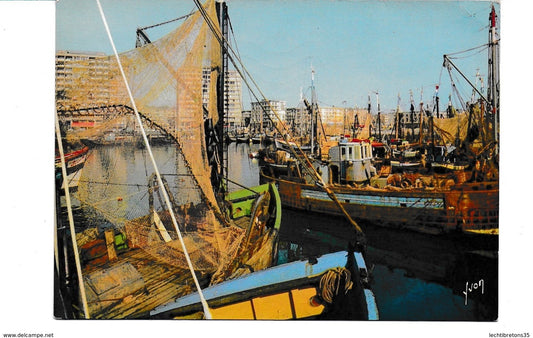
(233, 98)
(74, 89)
(262, 113)
(336, 120)
(298, 120)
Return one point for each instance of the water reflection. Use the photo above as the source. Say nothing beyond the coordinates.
(414, 276)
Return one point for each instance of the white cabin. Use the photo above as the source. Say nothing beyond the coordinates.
(351, 162)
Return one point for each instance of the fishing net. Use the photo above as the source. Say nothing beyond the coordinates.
(173, 81)
(450, 129)
(365, 119)
(478, 132)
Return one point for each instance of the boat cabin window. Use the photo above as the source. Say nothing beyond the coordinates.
(343, 153)
(350, 153)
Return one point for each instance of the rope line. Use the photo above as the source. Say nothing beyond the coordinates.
(169, 21)
(71, 220)
(334, 282)
(482, 47)
(165, 195)
(285, 133)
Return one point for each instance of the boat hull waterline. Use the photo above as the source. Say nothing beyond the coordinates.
(469, 207)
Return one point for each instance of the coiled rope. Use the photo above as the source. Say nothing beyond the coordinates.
(333, 282)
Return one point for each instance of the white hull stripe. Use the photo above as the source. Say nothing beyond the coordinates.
(382, 201)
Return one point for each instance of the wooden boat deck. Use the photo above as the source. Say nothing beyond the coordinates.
(161, 283)
(137, 282)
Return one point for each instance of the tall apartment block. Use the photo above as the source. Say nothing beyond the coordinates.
(264, 113)
(233, 99)
(75, 91)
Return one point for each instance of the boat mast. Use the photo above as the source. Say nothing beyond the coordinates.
(412, 115)
(421, 117)
(221, 128)
(397, 124)
(436, 108)
(379, 115)
(368, 109)
(432, 117)
(493, 89)
(313, 112)
(344, 117)
(302, 120)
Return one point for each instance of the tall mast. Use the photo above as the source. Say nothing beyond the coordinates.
(449, 109)
(379, 115)
(436, 108)
(398, 131)
(494, 81)
(421, 117)
(313, 111)
(344, 117)
(431, 118)
(222, 12)
(369, 107)
(302, 120)
(412, 109)
(478, 77)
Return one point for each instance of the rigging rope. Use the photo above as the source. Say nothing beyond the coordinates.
(309, 168)
(122, 110)
(169, 21)
(165, 194)
(482, 47)
(71, 220)
(456, 90)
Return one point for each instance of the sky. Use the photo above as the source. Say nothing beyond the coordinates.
(355, 48)
(29, 41)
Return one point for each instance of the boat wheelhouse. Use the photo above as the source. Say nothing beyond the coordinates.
(351, 162)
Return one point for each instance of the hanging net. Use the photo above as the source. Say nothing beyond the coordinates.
(173, 81)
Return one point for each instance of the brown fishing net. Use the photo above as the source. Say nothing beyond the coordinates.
(173, 82)
(457, 128)
(451, 128)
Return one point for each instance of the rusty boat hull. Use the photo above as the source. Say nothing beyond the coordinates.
(471, 208)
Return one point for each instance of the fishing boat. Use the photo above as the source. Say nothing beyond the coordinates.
(231, 137)
(256, 138)
(142, 260)
(74, 161)
(310, 289)
(426, 203)
(188, 234)
(127, 274)
(287, 146)
(467, 207)
(453, 197)
(242, 138)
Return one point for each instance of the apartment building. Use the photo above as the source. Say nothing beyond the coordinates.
(75, 91)
(233, 98)
(264, 113)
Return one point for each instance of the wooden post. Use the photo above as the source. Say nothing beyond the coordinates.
(110, 243)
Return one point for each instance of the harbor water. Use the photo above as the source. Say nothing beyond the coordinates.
(414, 276)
